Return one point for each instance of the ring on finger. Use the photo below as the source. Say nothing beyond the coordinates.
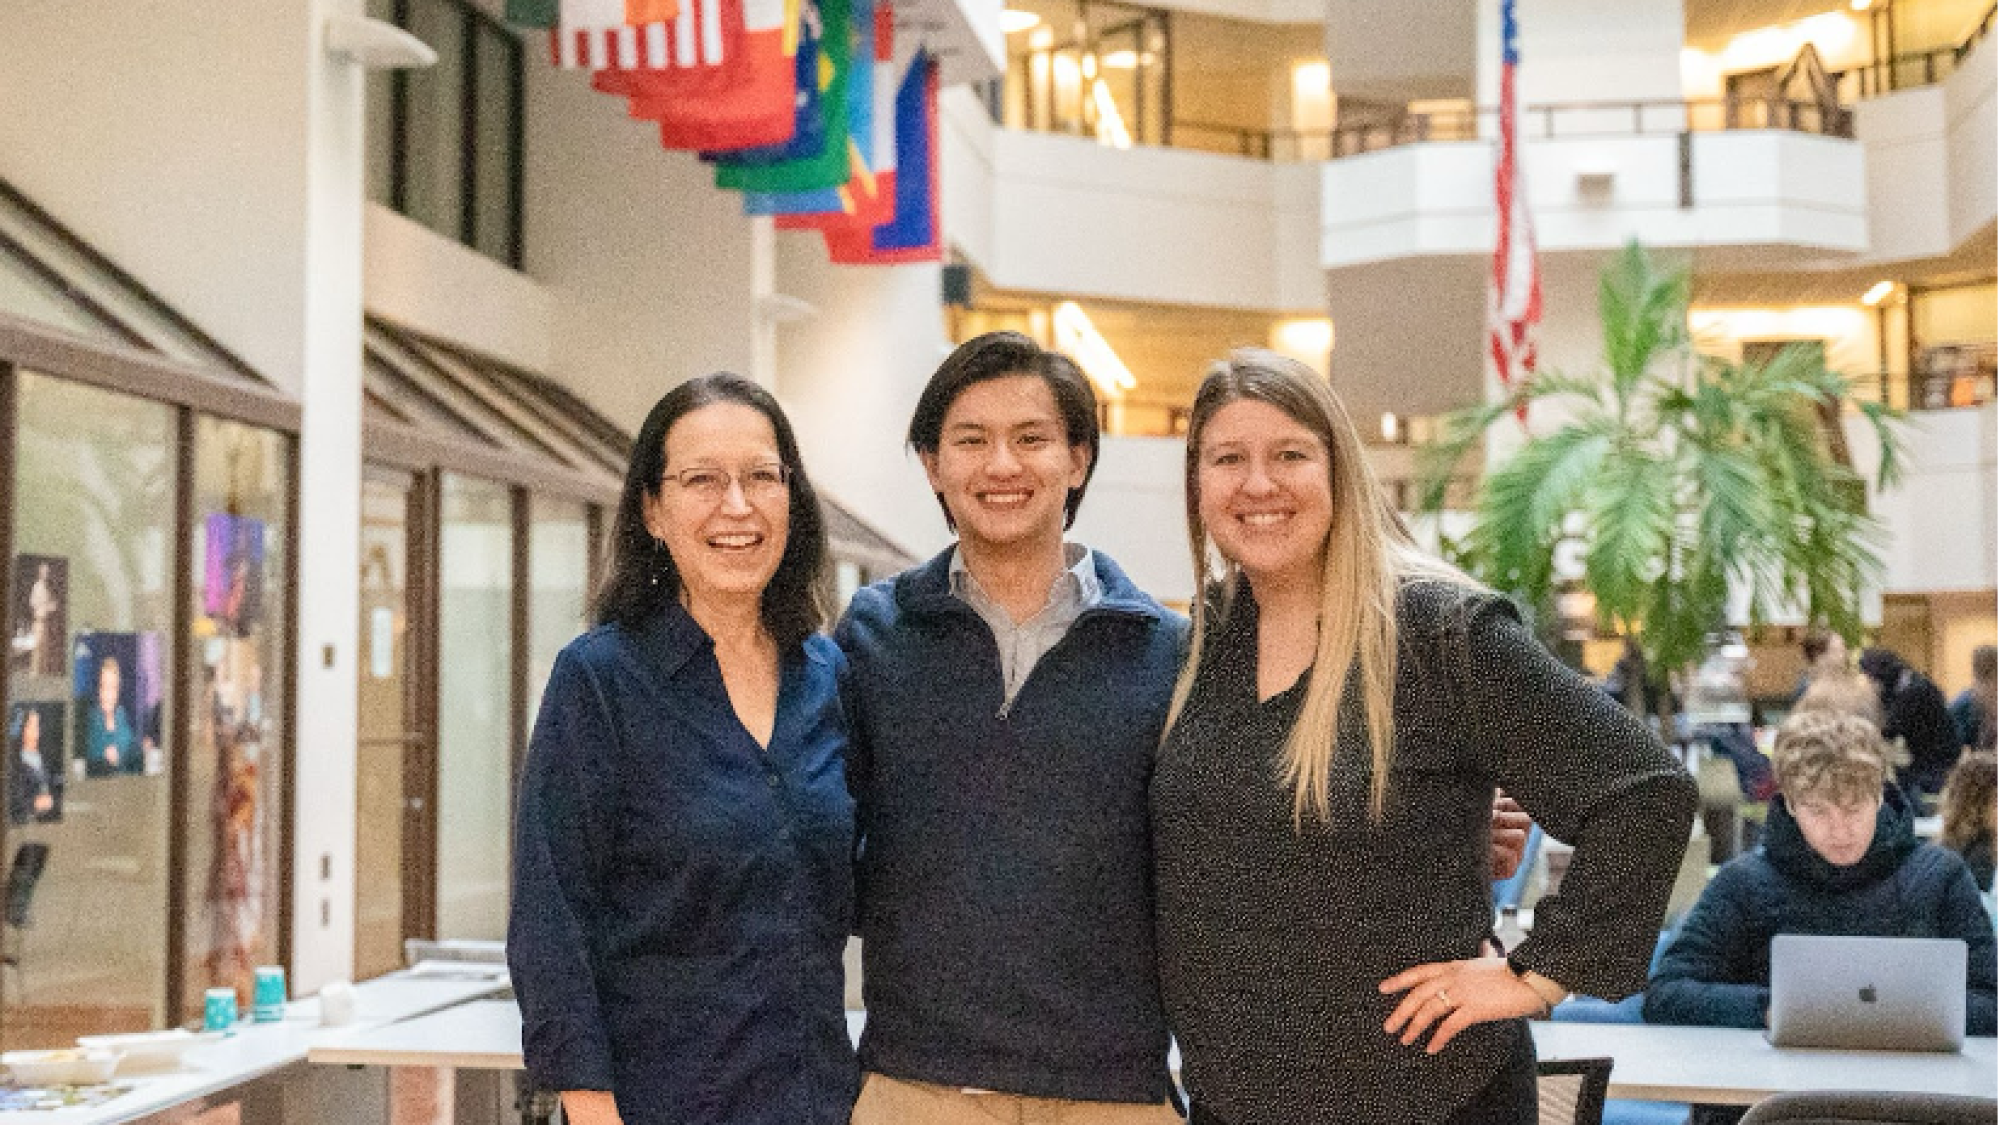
(1443, 997)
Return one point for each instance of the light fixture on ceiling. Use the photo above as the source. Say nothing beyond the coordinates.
(1878, 292)
(1079, 337)
(1013, 20)
(1120, 60)
(1858, 5)
(375, 45)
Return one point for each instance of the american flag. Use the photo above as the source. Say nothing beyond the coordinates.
(1514, 300)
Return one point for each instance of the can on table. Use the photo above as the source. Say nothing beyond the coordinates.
(267, 1000)
(218, 1010)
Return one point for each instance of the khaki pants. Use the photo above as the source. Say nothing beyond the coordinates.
(893, 1101)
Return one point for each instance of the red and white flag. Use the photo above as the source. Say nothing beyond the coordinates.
(1514, 298)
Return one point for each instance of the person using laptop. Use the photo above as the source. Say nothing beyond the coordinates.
(1840, 857)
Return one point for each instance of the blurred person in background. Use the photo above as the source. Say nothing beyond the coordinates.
(1973, 711)
(1914, 712)
(1967, 806)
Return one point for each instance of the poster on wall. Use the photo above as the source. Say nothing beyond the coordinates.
(35, 762)
(233, 579)
(118, 689)
(232, 729)
(40, 613)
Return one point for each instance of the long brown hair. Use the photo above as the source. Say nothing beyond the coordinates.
(1967, 803)
(1367, 555)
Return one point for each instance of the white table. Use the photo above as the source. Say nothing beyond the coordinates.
(256, 1051)
(1728, 1066)
(477, 1035)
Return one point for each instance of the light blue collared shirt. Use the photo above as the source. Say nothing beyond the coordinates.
(1023, 644)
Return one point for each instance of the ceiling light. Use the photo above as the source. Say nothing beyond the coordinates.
(1877, 292)
(1076, 335)
(1013, 20)
(1120, 60)
(1858, 5)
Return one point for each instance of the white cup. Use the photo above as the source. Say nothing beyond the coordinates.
(336, 1004)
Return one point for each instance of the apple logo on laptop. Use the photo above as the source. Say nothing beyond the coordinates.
(1867, 994)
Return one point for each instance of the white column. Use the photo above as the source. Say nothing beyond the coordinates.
(329, 514)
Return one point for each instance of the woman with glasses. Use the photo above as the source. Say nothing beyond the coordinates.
(682, 889)
(1322, 795)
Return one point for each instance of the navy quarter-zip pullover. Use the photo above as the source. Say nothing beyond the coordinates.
(1005, 869)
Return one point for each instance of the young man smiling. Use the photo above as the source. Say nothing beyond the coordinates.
(1004, 704)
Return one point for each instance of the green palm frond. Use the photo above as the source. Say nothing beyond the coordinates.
(1684, 478)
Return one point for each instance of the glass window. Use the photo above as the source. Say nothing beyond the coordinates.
(558, 586)
(475, 708)
(433, 118)
(496, 110)
(235, 815)
(444, 142)
(90, 610)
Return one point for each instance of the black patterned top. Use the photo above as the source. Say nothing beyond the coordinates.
(1272, 940)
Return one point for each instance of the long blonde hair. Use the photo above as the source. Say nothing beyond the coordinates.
(1368, 553)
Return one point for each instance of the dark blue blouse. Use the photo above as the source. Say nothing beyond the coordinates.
(682, 896)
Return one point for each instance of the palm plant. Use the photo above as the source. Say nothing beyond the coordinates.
(1680, 478)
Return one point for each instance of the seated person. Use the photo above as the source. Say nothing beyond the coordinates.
(1967, 807)
(1840, 856)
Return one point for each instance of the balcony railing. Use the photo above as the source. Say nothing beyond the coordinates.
(1600, 119)
(1938, 388)
(1911, 70)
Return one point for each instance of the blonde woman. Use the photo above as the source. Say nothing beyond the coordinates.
(1321, 797)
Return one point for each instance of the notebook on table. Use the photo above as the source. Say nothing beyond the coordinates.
(1868, 993)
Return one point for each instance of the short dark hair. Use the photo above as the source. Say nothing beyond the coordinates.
(1815, 643)
(998, 355)
(794, 604)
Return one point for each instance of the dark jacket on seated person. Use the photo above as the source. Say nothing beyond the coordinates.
(1717, 971)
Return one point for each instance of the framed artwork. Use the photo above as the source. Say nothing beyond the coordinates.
(232, 589)
(117, 682)
(39, 643)
(35, 757)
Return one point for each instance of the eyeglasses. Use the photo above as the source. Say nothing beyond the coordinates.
(759, 482)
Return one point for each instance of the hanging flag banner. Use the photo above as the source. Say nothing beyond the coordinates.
(809, 124)
(694, 45)
(639, 13)
(1514, 296)
(755, 107)
(874, 25)
(912, 233)
(810, 165)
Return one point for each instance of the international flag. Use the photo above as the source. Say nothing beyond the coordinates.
(871, 136)
(912, 233)
(593, 34)
(745, 101)
(818, 155)
(1514, 298)
(639, 13)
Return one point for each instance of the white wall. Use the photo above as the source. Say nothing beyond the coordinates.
(422, 280)
(1903, 136)
(849, 378)
(1757, 190)
(1585, 51)
(646, 264)
(1972, 125)
(1136, 512)
(171, 138)
(1940, 518)
(1402, 52)
(1146, 224)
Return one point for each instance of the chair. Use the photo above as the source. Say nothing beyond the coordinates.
(1571, 1091)
(22, 875)
(1848, 1108)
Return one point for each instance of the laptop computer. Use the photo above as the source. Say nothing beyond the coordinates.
(1868, 993)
